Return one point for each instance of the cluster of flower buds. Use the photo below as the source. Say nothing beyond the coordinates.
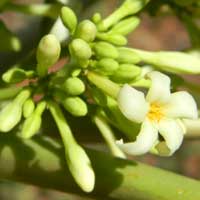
(101, 71)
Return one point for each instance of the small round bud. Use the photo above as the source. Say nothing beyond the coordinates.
(126, 73)
(96, 18)
(74, 86)
(80, 49)
(86, 30)
(107, 66)
(69, 18)
(48, 53)
(105, 50)
(28, 107)
(75, 106)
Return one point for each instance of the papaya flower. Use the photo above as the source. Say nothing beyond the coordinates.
(160, 114)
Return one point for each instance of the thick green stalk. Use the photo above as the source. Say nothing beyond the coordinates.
(40, 161)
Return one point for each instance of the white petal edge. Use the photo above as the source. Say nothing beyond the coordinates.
(160, 88)
(144, 141)
(181, 105)
(172, 132)
(132, 104)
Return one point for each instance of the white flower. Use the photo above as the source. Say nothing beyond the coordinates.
(160, 113)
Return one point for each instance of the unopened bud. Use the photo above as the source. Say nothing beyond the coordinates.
(75, 106)
(126, 73)
(116, 39)
(105, 50)
(80, 49)
(74, 86)
(127, 55)
(11, 114)
(69, 18)
(96, 18)
(16, 75)
(86, 30)
(28, 107)
(32, 124)
(125, 26)
(48, 53)
(107, 66)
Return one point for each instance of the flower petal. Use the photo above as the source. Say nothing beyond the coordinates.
(132, 104)
(181, 105)
(144, 141)
(172, 132)
(160, 88)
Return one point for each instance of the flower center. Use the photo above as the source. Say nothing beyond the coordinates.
(155, 112)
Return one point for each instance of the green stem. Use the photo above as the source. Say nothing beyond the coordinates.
(40, 161)
(7, 93)
(47, 10)
(106, 85)
(108, 135)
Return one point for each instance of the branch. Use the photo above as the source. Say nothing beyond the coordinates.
(41, 162)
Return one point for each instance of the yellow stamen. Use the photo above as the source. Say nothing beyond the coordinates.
(155, 113)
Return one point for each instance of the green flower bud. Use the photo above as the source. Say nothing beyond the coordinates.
(75, 106)
(16, 75)
(105, 50)
(86, 30)
(77, 159)
(125, 26)
(115, 39)
(107, 66)
(48, 53)
(80, 167)
(69, 18)
(11, 114)
(74, 86)
(96, 18)
(28, 107)
(129, 7)
(175, 62)
(32, 124)
(127, 55)
(126, 73)
(80, 49)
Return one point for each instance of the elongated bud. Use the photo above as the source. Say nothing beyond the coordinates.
(175, 62)
(74, 86)
(107, 66)
(32, 124)
(127, 55)
(125, 26)
(115, 39)
(77, 159)
(16, 75)
(28, 107)
(48, 53)
(11, 114)
(80, 49)
(69, 18)
(75, 106)
(105, 50)
(126, 73)
(129, 7)
(86, 30)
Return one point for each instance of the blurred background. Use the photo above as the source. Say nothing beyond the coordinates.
(165, 32)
